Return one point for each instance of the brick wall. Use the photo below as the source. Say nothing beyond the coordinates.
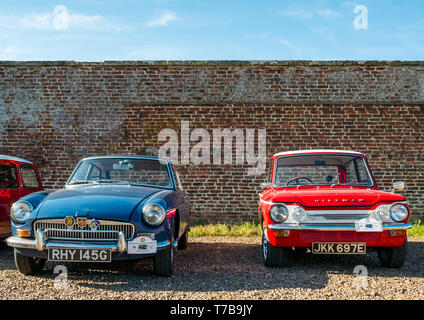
(55, 113)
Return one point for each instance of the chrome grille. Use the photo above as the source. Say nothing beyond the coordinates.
(107, 230)
(350, 216)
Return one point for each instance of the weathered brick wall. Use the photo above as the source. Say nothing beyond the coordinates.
(55, 113)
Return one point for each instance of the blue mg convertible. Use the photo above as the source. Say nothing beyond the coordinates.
(112, 208)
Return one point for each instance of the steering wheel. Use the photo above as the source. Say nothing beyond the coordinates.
(297, 180)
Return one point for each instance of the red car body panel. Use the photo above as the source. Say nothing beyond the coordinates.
(328, 199)
(8, 196)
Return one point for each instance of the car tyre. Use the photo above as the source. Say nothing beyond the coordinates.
(28, 265)
(183, 242)
(274, 256)
(164, 261)
(393, 257)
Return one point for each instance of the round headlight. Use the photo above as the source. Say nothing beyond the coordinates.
(279, 213)
(399, 212)
(20, 211)
(154, 214)
(382, 213)
(299, 214)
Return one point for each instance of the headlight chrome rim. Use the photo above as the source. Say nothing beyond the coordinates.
(398, 216)
(273, 212)
(148, 216)
(382, 213)
(14, 210)
(299, 214)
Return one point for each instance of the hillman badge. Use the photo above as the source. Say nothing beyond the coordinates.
(94, 224)
(69, 222)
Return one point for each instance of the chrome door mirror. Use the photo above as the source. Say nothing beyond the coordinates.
(265, 185)
(398, 185)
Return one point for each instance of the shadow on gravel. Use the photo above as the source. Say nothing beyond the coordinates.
(231, 267)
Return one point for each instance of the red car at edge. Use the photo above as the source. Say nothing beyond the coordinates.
(327, 202)
(18, 177)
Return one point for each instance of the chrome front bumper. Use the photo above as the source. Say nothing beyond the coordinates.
(400, 226)
(41, 243)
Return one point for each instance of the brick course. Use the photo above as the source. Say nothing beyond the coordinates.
(55, 113)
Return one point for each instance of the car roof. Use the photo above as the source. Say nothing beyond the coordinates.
(287, 153)
(16, 159)
(125, 156)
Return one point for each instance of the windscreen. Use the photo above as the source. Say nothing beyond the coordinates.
(322, 169)
(122, 171)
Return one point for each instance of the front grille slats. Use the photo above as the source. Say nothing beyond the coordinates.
(333, 216)
(337, 215)
(106, 231)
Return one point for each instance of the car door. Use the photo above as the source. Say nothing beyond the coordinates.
(10, 192)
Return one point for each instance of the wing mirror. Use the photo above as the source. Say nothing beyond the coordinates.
(265, 185)
(398, 185)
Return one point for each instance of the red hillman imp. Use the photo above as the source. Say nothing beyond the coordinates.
(327, 202)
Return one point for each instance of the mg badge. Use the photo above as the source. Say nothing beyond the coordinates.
(94, 224)
(69, 222)
(82, 222)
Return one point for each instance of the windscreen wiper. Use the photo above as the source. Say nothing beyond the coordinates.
(81, 182)
(113, 181)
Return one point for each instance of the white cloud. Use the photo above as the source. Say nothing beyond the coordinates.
(286, 43)
(349, 3)
(298, 53)
(8, 53)
(302, 14)
(59, 19)
(324, 33)
(308, 14)
(155, 52)
(327, 13)
(162, 20)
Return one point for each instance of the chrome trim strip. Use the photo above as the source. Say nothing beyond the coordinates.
(18, 242)
(403, 226)
(82, 246)
(269, 202)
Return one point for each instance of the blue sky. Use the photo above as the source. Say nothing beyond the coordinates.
(98, 30)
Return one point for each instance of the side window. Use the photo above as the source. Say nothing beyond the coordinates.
(8, 176)
(29, 177)
(356, 172)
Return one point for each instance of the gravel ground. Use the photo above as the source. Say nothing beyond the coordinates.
(223, 268)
